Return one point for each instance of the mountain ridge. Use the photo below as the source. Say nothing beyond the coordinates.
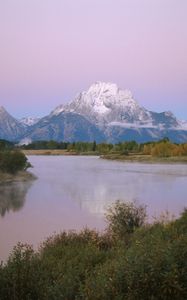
(105, 103)
(103, 113)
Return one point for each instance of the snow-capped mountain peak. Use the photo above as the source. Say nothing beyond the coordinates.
(99, 88)
(103, 96)
(100, 92)
(104, 102)
(99, 99)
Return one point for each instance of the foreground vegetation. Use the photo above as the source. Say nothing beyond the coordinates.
(131, 260)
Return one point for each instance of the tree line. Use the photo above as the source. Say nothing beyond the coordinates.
(165, 148)
(162, 148)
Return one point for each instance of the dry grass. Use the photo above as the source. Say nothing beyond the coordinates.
(48, 152)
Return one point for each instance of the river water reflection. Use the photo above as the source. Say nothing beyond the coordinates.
(73, 192)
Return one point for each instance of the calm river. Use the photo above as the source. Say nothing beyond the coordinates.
(73, 192)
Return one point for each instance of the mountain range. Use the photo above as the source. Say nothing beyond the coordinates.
(102, 113)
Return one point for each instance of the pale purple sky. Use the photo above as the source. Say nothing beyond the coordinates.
(52, 49)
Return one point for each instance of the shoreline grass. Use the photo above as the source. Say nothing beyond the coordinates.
(49, 152)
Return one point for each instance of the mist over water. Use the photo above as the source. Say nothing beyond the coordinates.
(73, 192)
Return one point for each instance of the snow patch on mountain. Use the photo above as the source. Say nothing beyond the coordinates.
(59, 109)
(29, 121)
(132, 125)
(182, 125)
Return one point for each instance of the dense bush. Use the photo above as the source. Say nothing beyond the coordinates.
(90, 266)
(124, 218)
(13, 161)
(153, 267)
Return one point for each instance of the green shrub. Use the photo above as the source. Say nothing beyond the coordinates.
(13, 161)
(67, 259)
(20, 276)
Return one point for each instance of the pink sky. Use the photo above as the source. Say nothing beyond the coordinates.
(52, 49)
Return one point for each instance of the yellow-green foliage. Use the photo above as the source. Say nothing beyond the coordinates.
(165, 149)
(147, 149)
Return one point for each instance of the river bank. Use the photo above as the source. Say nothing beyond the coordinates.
(145, 158)
(49, 152)
(112, 156)
(57, 152)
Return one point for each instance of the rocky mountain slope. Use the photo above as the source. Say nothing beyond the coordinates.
(65, 127)
(10, 128)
